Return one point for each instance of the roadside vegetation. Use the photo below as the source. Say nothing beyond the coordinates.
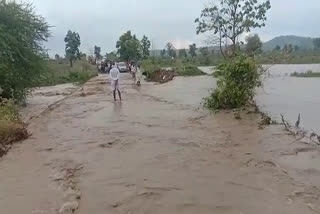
(12, 128)
(239, 74)
(237, 80)
(307, 74)
(60, 72)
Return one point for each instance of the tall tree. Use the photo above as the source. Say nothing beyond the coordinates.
(229, 19)
(204, 51)
(277, 48)
(183, 53)
(316, 43)
(22, 54)
(129, 47)
(192, 50)
(146, 44)
(253, 45)
(112, 56)
(97, 52)
(171, 50)
(163, 53)
(57, 57)
(73, 43)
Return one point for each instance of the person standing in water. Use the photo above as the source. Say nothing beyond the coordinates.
(115, 76)
(134, 72)
(138, 75)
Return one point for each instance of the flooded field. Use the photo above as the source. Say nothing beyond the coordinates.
(287, 95)
(290, 96)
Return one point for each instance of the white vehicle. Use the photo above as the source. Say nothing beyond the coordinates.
(122, 66)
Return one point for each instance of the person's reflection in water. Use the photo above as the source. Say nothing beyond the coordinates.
(117, 108)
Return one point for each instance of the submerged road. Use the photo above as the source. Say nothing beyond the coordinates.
(157, 151)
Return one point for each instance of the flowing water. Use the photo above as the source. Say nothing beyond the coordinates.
(157, 151)
(290, 96)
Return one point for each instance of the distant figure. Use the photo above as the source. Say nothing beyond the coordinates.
(138, 76)
(115, 76)
(134, 72)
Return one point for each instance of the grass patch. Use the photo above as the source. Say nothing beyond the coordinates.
(179, 67)
(189, 70)
(60, 73)
(307, 74)
(12, 128)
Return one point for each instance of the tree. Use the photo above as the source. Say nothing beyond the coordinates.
(163, 53)
(192, 50)
(183, 53)
(129, 47)
(73, 43)
(296, 48)
(204, 51)
(146, 44)
(112, 56)
(277, 48)
(97, 52)
(22, 54)
(316, 43)
(229, 19)
(253, 45)
(171, 50)
(57, 57)
(285, 48)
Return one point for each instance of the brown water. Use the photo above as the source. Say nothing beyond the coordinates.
(290, 96)
(155, 152)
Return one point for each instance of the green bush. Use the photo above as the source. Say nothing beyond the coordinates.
(189, 70)
(236, 84)
(11, 127)
(22, 54)
(8, 111)
(309, 73)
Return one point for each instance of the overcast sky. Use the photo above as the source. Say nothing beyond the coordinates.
(101, 22)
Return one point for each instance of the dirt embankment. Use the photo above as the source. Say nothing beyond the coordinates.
(11, 132)
(162, 75)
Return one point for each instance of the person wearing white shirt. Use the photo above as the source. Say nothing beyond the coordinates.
(114, 75)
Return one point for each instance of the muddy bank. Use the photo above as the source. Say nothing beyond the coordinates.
(162, 75)
(155, 152)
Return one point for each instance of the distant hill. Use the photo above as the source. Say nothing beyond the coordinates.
(302, 42)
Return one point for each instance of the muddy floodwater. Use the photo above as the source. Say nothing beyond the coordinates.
(158, 151)
(290, 96)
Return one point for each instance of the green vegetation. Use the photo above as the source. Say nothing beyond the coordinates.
(307, 74)
(253, 46)
(237, 81)
(129, 47)
(145, 45)
(239, 75)
(229, 19)
(59, 73)
(294, 57)
(11, 127)
(22, 56)
(180, 67)
(73, 43)
(189, 70)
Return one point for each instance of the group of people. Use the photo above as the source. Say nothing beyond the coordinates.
(114, 74)
(104, 67)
